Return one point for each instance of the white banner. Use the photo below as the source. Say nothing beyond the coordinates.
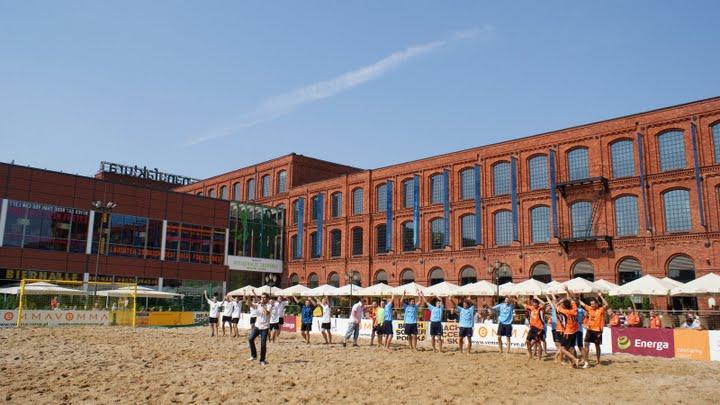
(254, 264)
(714, 345)
(55, 318)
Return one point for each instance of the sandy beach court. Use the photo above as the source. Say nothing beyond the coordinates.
(105, 364)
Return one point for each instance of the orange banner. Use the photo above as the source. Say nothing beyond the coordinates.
(692, 344)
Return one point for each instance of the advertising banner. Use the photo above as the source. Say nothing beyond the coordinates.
(399, 330)
(289, 324)
(714, 344)
(644, 342)
(692, 344)
(55, 318)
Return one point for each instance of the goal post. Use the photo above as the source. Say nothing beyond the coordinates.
(42, 302)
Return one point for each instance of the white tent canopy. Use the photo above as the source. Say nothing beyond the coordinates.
(646, 285)
(707, 284)
(378, 290)
(529, 287)
(41, 288)
(324, 290)
(480, 288)
(349, 289)
(409, 289)
(507, 289)
(605, 286)
(555, 287)
(266, 289)
(140, 292)
(670, 282)
(443, 289)
(296, 290)
(579, 285)
(247, 290)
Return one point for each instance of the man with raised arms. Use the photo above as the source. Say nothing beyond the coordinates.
(536, 317)
(436, 312)
(387, 329)
(306, 318)
(410, 320)
(213, 315)
(505, 312)
(595, 324)
(466, 315)
(278, 308)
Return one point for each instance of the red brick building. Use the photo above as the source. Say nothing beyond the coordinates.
(633, 195)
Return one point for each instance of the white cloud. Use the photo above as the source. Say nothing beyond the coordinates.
(283, 104)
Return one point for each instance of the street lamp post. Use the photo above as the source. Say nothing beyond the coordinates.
(105, 209)
(493, 269)
(270, 279)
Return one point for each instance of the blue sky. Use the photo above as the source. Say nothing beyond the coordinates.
(200, 88)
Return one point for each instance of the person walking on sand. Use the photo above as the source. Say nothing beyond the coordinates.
(466, 314)
(387, 328)
(410, 309)
(595, 324)
(278, 307)
(261, 328)
(353, 330)
(436, 312)
(235, 317)
(228, 305)
(213, 315)
(505, 312)
(306, 318)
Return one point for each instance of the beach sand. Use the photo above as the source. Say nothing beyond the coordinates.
(114, 364)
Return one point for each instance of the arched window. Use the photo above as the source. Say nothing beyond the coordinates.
(538, 168)
(436, 189)
(408, 193)
(357, 201)
(250, 189)
(468, 275)
(578, 168)
(467, 230)
(671, 146)
(626, 216)
(436, 276)
(407, 276)
(581, 216)
(236, 192)
(266, 185)
(356, 278)
(335, 243)
(541, 272)
(623, 161)
(282, 181)
(681, 268)
(334, 280)
(294, 280)
(584, 269)
(540, 224)
(501, 178)
(211, 192)
(628, 270)
(437, 233)
(503, 228)
(381, 238)
(408, 241)
(357, 241)
(678, 217)
(223, 192)
(716, 141)
(314, 207)
(504, 274)
(336, 205)
(313, 280)
(199, 193)
(294, 245)
(467, 184)
(315, 243)
(381, 277)
(381, 198)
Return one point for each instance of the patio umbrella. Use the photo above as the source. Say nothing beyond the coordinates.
(266, 289)
(378, 290)
(579, 285)
(529, 287)
(140, 292)
(247, 290)
(646, 285)
(507, 289)
(41, 288)
(481, 288)
(296, 290)
(349, 289)
(443, 289)
(324, 290)
(555, 287)
(410, 289)
(708, 284)
(605, 286)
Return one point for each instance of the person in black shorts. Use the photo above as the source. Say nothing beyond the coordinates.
(306, 318)
(436, 312)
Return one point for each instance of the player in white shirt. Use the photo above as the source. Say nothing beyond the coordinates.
(261, 328)
(353, 330)
(253, 314)
(213, 316)
(228, 306)
(276, 317)
(325, 321)
(235, 317)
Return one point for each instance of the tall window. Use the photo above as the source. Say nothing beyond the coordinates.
(437, 233)
(294, 245)
(677, 211)
(467, 184)
(295, 212)
(681, 268)
(336, 205)
(716, 141)
(335, 243)
(357, 201)
(282, 181)
(503, 228)
(408, 187)
(623, 162)
(538, 167)
(407, 236)
(467, 230)
(540, 224)
(578, 168)
(541, 272)
(315, 243)
(211, 193)
(436, 276)
(407, 276)
(629, 270)
(501, 178)
(334, 280)
(357, 241)
(626, 216)
(236, 192)
(381, 198)
(294, 280)
(581, 215)
(266, 185)
(250, 189)
(223, 192)
(381, 277)
(584, 269)
(436, 189)
(381, 238)
(672, 150)
(313, 281)
(468, 275)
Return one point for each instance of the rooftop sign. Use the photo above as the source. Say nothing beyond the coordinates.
(145, 173)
